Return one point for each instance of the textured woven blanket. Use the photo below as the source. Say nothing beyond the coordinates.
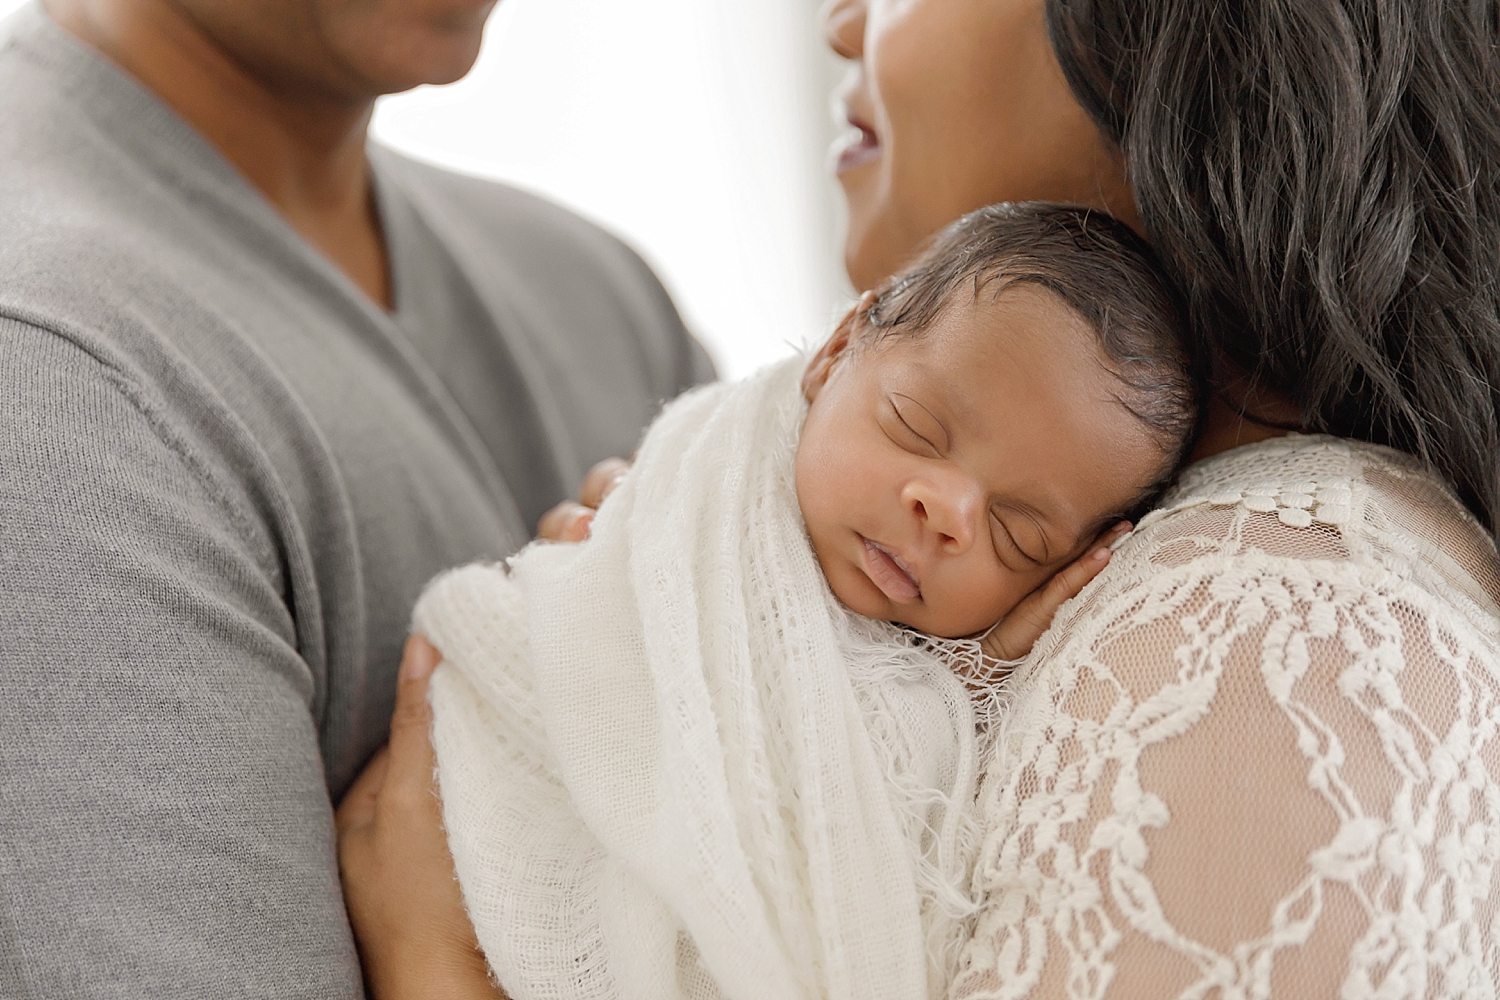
(672, 765)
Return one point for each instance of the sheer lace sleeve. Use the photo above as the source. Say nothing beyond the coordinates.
(1258, 759)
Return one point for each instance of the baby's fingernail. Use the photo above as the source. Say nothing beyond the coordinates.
(1101, 553)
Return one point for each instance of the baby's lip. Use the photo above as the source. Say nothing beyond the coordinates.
(896, 578)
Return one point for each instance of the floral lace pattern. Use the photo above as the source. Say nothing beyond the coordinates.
(1260, 756)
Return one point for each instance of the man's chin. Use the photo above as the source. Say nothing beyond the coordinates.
(391, 58)
(440, 68)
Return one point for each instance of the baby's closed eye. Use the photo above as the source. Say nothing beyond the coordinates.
(1019, 540)
(913, 427)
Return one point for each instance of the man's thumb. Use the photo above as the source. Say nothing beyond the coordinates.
(410, 745)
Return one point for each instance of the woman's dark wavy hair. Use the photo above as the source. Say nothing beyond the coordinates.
(1322, 180)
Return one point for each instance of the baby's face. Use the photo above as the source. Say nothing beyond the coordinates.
(945, 475)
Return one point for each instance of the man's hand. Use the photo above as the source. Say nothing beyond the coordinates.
(404, 902)
(569, 521)
(1018, 631)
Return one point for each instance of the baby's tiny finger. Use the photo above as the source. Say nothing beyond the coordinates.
(550, 523)
(615, 479)
(1092, 565)
(1067, 584)
(577, 524)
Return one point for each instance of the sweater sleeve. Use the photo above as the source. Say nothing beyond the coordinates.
(165, 828)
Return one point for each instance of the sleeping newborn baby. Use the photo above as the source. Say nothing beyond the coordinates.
(980, 420)
(728, 747)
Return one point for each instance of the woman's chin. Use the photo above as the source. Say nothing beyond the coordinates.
(865, 268)
(874, 247)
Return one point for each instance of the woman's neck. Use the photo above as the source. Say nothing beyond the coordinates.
(1225, 428)
(1242, 413)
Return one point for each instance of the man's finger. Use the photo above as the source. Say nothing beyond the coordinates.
(567, 522)
(411, 758)
(602, 480)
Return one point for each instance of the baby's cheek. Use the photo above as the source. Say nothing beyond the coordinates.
(809, 488)
(979, 599)
(826, 486)
(813, 486)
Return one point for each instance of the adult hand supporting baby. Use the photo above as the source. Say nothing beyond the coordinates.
(404, 902)
(569, 521)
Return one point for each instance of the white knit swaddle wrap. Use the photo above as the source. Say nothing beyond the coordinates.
(672, 765)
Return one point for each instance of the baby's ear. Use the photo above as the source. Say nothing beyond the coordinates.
(834, 348)
(822, 364)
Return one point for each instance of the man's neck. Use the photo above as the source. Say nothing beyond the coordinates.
(304, 151)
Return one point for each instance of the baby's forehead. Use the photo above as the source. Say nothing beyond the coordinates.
(1056, 319)
(998, 326)
(1018, 382)
(1020, 303)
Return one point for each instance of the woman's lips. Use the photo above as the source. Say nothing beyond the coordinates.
(858, 146)
(890, 573)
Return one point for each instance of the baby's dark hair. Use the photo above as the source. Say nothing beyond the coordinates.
(1095, 264)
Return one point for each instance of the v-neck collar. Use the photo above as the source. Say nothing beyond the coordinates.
(150, 132)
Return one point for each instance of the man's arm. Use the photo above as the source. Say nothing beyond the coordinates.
(164, 826)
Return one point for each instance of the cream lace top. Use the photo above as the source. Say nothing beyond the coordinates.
(1258, 757)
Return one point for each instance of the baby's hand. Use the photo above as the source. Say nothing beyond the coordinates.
(1018, 631)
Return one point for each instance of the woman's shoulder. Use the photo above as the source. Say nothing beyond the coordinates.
(1299, 534)
(1222, 739)
(1327, 509)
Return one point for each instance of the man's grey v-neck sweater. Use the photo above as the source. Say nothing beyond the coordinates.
(224, 478)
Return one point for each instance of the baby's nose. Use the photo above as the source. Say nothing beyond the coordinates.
(949, 511)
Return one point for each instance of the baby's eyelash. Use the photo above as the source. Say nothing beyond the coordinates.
(915, 437)
(936, 436)
(1010, 540)
(914, 432)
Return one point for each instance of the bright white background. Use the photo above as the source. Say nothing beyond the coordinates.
(696, 129)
